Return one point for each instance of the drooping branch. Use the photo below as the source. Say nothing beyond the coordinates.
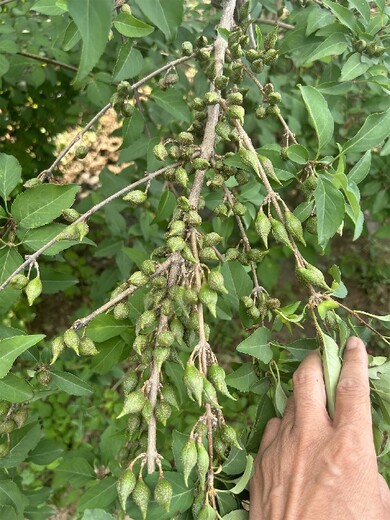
(31, 259)
(277, 23)
(50, 61)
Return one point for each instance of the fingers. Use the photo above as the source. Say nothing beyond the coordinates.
(353, 390)
(309, 392)
(270, 433)
(384, 491)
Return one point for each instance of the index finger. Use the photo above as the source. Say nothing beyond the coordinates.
(353, 389)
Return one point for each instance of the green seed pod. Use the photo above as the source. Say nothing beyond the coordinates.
(19, 281)
(159, 282)
(185, 138)
(187, 48)
(268, 168)
(209, 298)
(247, 302)
(255, 255)
(216, 282)
(242, 177)
(216, 182)
(189, 457)
(146, 319)
(231, 254)
(236, 112)
(177, 228)
(203, 461)
(271, 56)
(273, 303)
(133, 424)
(82, 230)
(141, 497)
(160, 152)
(229, 436)
(273, 110)
(193, 381)
(7, 426)
(87, 347)
(223, 130)
(216, 375)
(200, 164)
(171, 79)
(72, 340)
(148, 267)
(160, 355)
(121, 311)
(197, 104)
(147, 411)
(198, 503)
(360, 45)
(194, 219)
(20, 417)
(280, 233)
(309, 185)
(221, 82)
(236, 51)
(181, 177)
(124, 88)
(239, 209)
(312, 276)
(237, 74)
(4, 408)
(174, 152)
(176, 244)
(220, 447)
(31, 183)
(274, 98)
(270, 39)
(263, 226)
(210, 394)
(207, 513)
(212, 239)
(139, 279)
(257, 66)
(251, 55)
(44, 377)
(33, 290)
(165, 338)
(134, 402)
(203, 54)
(294, 226)
(127, 109)
(254, 313)
(125, 8)
(235, 98)
(163, 412)
(140, 344)
(208, 253)
(163, 493)
(81, 152)
(70, 215)
(69, 233)
(311, 225)
(169, 395)
(261, 112)
(4, 450)
(125, 486)
(136, 197)
(211, 98)
(221, 210)
(130, 382)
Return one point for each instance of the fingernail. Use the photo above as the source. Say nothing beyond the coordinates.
(353, 342)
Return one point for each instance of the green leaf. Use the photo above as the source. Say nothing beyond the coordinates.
(100, 495)
(330, 210)
(165, 207)
(319, 114)
(93, 20)
(243, 379)
(237, 282)
(257, 345)
(344, 15)
(55, 281)
(109, 355)
(332, 367)
(70, 383)
(40, 205)
(96, 514)
(318, 18)
(75, 470)
(105, 327)
(374, 131)
(298, 154)
(361, 169)
(11, 348)
(265, 412)
(10, 260)
(71, 38)
(99, 92)
(50, 7)
(363, 7)
(9, 46)
(10, 174)
(14, 389)
(300, 348)
(235, 463)
(239, 514)
(131, 27)
(244, 479)
(167, 15)
(4, 65)
(10, 494)
(353, 67)
(128, 64)
(333, 45)
(46, 451)
(23, 440)
(172, 102)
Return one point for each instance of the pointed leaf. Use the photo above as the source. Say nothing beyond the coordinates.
(70, 383)
(11, 348)
(330, 209)
(374, 131)
(10, 174)
(256, 345)
(332, 367)
(131, 27)
(319, 114)
(167, 15)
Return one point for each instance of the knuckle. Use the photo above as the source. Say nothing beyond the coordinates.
(353, 387)
(304, 376)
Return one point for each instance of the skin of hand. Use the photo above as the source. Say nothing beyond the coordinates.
(312, 468)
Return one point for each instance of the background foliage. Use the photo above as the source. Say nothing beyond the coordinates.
(62, 446)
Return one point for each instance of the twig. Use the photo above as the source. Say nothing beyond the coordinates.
(5, 2)
(47, 60)
(47, 173)
(277, 23)
(83, 322)
(30, 259)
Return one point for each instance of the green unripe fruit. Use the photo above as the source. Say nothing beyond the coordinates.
(309, 185)
(203, 461)
(44, 377)
(257, 66)
(247, 302)
(7, 426)
(273, 110)
(19, 281)
(254, 313)
(231, 254)
(72, 340)
(235, 98)
(136, 197)
(221, 210)
(133, 424)
(239, 209)
(4, 450)
(242, 177)
(163, 493)
(81, 152)
(20, 417)
(209, 298)
(31, 183)
(176, 243)
(160, 355)
(181, 177)
(125, 8)
(146, 319)
(194, 219)
(200, 164)
(163, 412)
(280, 233)
(139, 279)
(193, 381)
(221, 82)
(125, 486)
(236, 112)
(236, 51)
(187, 48)
(331, 320)
(263, 227)
(270, 56)
(255, 255)
(134, 402)
(220, 447)
(160, 152)
(268, 168)
(270, 39)
(360, 45)
(69, 233)
(141, 497)
(124, 88)
(159, 282)
(171, 79)
(130, 382)
(70, 215)
(147, 411)
(229, 436)
(189, 457)
(33, 289)
(174, 152)
(217, 181)
(274, 98)
(197, 104)
(261, 112)
(207, 513)
(148, 267)
(127, 109)
(312, 276)
(216, 375)
(210, 394)
(311, 225)
(183, 203)
(216, 282)
(208, 253)
(223, 130)
(87, 347)
(252, 54)
(169, 395)
(4, 408)
(294, 226)
(82, 230)
(185, 138)
(177, 228)
(121, 311)
(140, 344)
(212, 239)
(165, 338)
(237, 74)
(273, 303)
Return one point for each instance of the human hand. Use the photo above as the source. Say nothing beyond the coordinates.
(312, 468)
